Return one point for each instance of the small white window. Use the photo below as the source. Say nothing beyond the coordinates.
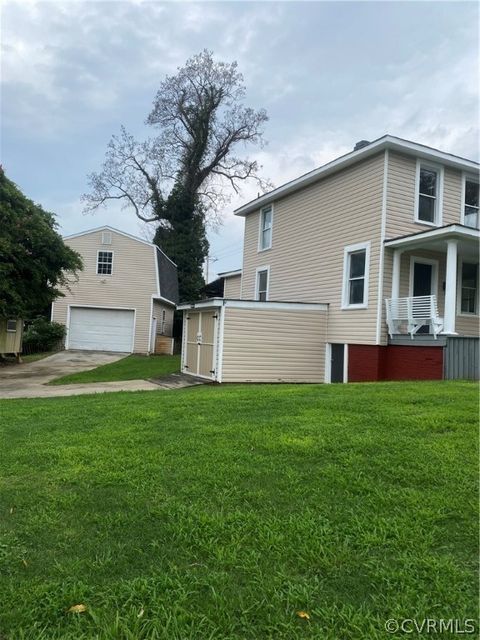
(104, 263)
(266, 221)
(428, 202)
(355, 276)
(470, 202)
(106, 237)
(469, 288)
(262, 283)
(11, 326)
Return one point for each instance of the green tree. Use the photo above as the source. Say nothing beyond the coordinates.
(34, 261)
(181, 178)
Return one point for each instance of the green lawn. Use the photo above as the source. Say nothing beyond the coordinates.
(129, 368)
(220, 512)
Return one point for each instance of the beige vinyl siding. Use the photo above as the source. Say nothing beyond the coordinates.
(158, 308)
(310, 230)
(11, 341)
(233, 287)
(131, 285)
(274, 345)
(401, 197)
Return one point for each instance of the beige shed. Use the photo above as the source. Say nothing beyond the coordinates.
(250, 341)
(11, 335)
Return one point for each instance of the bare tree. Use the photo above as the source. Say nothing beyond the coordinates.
(185, 175)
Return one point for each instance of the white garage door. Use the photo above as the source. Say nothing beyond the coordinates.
(101, 329)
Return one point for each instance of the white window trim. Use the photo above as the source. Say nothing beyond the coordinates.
(421, 164)
(257, 271)
(260, 229)
(434, 263)
(12, 330)
(103, 275)
(470, 177)
(107, 238)
(465, 314)
(351, 248)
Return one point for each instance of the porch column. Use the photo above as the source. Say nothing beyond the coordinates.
(397, 257)
(450, 288)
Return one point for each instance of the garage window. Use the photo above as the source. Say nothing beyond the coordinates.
(104, 263)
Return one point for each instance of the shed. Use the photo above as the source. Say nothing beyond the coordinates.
(227, 340)
(11, 335)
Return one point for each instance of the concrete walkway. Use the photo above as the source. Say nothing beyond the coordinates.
(29, 380)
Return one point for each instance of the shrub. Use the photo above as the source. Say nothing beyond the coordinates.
(43, 335)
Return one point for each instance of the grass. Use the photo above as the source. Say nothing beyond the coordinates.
(220, 512)
(129, 368)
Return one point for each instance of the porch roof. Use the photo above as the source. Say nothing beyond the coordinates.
(436, 239)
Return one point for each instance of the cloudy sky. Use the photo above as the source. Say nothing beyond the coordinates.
(328, 73)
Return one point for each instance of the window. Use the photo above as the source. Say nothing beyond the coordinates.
(470, 204)
(355, 280)
(11, 326)
(428, 198)
(469, 288)
(106, 237)
(104, 263)
(266, 219)
(262, 283)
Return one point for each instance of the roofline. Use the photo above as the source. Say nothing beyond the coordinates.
(237, 303)
(230, 274)
(385, 142)
(458, 230)
(122, 233)
(162, 299)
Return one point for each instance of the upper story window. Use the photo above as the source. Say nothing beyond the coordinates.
(104, 263)
(469, 288)
(263, 274)
(355, 276)
(470, 202)
(428, 205)
(106, 237)
(266, 220)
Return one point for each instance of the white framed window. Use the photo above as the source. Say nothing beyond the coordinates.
(106, 237)
(104, 263)
(266, 224)
(470, 199)
(11, 326)
(262, 283)
(429, 194)
(468, 288)
(356, 263)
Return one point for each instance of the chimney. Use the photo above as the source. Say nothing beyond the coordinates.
(360, 144)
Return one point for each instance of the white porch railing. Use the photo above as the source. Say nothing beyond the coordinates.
(414, 312)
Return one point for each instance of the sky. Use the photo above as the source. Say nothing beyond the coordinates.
(328, 74)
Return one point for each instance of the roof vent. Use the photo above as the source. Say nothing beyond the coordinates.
(360, 144)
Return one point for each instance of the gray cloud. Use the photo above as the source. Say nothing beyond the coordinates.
(329, 73)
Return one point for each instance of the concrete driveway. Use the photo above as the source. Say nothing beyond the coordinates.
(28, 380)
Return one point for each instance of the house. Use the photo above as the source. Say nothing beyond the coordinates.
(226, 285)
(363, 269)
(123, 300)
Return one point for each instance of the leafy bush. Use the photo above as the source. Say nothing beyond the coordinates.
(43, 335)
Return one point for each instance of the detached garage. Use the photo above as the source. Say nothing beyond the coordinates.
(251, 341)
(98, 329)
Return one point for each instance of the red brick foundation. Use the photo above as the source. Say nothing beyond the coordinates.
(394, 362)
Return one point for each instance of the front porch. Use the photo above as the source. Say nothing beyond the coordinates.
(434, 285)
